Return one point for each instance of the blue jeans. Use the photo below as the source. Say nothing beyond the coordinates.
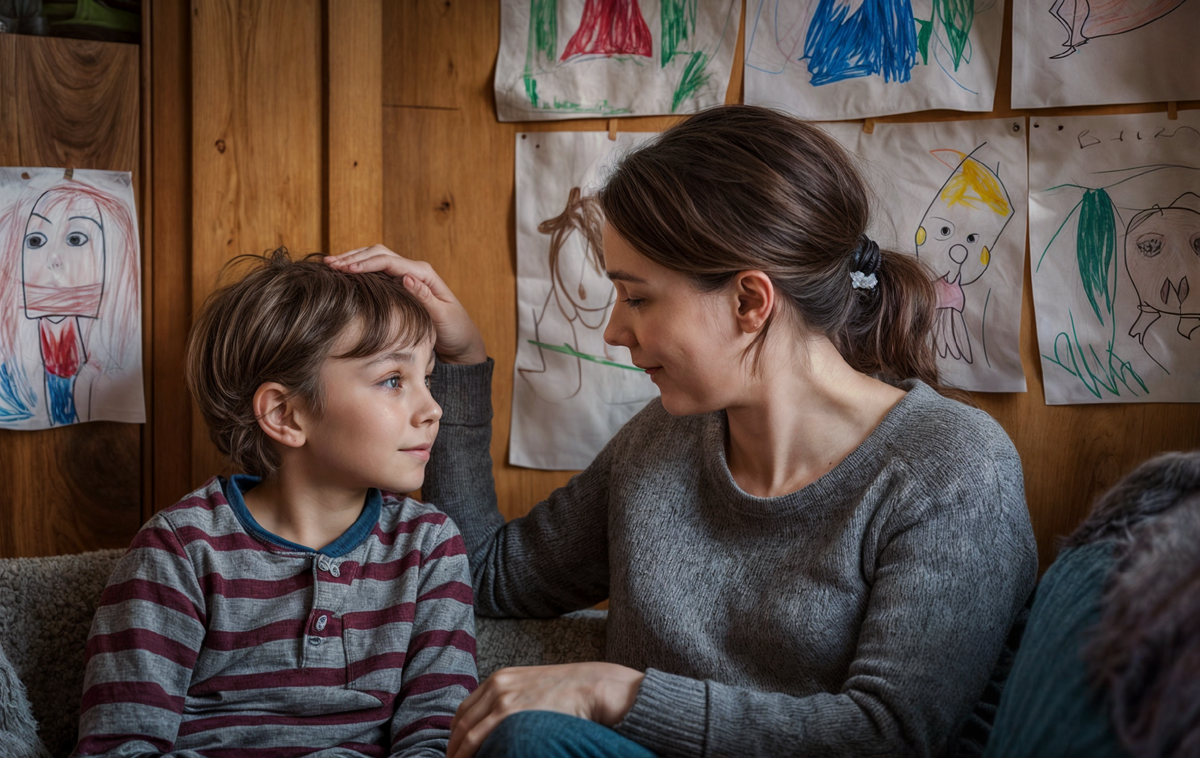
(544, 734)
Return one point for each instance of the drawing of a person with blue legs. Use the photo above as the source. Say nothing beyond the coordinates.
(955, 239)
(569, 328)
(1162, 258)
(57, 276)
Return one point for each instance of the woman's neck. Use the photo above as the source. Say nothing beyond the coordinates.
(299, 510)
(801, 418)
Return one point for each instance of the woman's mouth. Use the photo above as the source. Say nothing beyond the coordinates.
(421, 452)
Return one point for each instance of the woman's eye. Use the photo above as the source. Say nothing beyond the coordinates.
(634, 302)
(972, 237)
(35, 240)
(77, 239)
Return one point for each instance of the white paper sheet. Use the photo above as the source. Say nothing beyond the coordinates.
(1114, 240)
(578, 58)
(571, 390)
(1093, 52)
(953, 193)
(70, 312)
(830, 60)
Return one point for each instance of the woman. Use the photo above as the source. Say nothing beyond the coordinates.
(806, 548)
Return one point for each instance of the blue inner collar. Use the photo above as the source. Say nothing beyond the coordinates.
(236, 485)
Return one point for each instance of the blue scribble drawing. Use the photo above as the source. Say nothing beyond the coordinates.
(839, 40)
(879, 38)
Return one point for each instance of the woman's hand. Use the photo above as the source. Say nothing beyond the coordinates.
(600, 692)
(458, 339)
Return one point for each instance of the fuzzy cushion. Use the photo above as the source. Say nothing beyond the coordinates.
(18, 730)
(46, 609)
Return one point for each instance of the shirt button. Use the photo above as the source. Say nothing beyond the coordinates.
(314, 641)
(321, 622)
(335, 570)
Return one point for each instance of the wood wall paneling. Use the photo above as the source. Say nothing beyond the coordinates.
(170, 244)
(355, 131)
(258, 144)
(69, 103)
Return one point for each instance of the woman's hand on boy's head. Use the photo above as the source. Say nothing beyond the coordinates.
(458, 339)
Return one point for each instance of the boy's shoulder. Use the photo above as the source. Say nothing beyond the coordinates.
(415, 520)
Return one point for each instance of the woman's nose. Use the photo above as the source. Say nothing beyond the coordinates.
(615, 332)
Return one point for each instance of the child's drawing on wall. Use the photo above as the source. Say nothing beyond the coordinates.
(844, 59)
(1084, 20)
(70, 335)
(572, 391)
(569, 58)
(1115, 256)
(956, 238)
(1162, 257)
(569, 327)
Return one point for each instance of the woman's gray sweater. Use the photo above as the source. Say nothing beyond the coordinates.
(861, 615)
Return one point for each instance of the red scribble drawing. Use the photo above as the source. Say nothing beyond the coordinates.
(610, 27)
(1088, 19)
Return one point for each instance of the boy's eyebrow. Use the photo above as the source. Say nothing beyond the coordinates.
(624, 276)
(397, 356)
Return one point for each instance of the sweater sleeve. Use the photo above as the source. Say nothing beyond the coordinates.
(550, 562)
(143, 645)
(948, 581)
(439, 666)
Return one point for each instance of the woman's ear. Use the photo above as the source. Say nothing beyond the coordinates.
(277, 414)
(755, 294)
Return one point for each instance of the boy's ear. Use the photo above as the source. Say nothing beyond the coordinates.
(755, 294)
(277, 414)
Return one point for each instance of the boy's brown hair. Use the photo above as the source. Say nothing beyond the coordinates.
(279, 323)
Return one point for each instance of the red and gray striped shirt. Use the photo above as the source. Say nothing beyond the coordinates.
(215, 638)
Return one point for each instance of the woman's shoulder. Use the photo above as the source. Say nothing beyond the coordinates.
(940, 438)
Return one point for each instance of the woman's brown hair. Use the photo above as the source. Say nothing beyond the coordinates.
(739, 187)
(279, 323)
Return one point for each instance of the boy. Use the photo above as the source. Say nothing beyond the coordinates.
(297, 608)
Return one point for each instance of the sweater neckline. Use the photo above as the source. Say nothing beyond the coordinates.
(861, 463)
(237, 485)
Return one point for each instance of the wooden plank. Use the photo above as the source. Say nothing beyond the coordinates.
(73, 488)
(355, 133)
(424, 43)
(258, 157)
(170, 107)
(146, 234)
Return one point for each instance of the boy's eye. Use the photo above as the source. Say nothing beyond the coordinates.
(392, 382)
(427, 378)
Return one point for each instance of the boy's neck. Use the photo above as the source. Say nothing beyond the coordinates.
(303, 511)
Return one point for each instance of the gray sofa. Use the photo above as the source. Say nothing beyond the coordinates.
(46, 609)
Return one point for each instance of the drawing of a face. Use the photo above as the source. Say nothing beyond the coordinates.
(62, 257)
(581, 288)
(1162, 256)
(961, 225)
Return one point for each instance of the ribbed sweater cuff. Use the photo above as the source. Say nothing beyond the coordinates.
(464, 391)
(668, 716)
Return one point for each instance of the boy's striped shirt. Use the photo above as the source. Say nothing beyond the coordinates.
(214, 638)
